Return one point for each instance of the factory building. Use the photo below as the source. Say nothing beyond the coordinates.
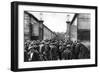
(83, 22)
(79, 29)
(48, 34)
(34, 29)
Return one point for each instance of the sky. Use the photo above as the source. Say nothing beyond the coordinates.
(54, 21)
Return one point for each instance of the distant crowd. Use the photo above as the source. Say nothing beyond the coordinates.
(45, 50)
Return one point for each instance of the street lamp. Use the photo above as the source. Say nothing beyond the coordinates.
(68, 27)
(68, 18)
(41, 27)
(41, 16)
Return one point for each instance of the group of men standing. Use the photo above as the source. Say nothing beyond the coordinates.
(46, 50)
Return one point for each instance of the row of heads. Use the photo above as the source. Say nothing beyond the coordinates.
(50, 42)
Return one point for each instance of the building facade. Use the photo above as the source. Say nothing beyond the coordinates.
(83, 26)
(83, 22)
(79, 28)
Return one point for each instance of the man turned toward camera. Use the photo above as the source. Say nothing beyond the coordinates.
(54, 51)
(41, 51)
(46, 51)
(34, 52)
(67, 54)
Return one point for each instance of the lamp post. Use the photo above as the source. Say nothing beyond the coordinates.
(68, 27)
(41, 27)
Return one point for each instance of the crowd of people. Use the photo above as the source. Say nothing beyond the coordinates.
(45, 50)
